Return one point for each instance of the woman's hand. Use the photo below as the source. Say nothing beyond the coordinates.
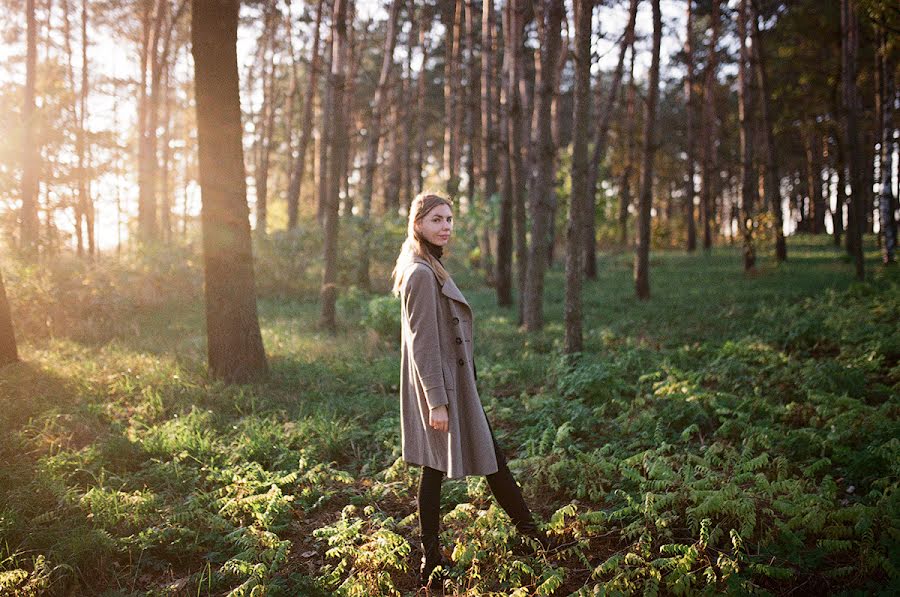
(438, 419)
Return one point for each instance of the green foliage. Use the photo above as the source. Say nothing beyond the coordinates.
(742, 440)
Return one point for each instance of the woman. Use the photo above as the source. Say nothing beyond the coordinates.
(443, 425)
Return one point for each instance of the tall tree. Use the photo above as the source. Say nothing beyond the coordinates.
(453, 22)
(708, 123)
(333, 118)
(266, 118)
(373, 136)
(519, 143)
(234, 343)
(886, 155)
(489, 144)
(299, 165)
(690, 190)
(849, 50)
(642, 246)
(772, 179)
(580, 202)
(30, 152)
(601, 142)
(749, 183)
(540, 194)
(421, 92)
(630, 154)
(158, 21)
(503, 274)
(8, 351)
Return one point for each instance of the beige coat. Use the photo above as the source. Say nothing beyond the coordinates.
(437, 353)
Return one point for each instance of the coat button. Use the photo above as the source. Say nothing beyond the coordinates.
(456, 320)
(459, 340)
(462, 362)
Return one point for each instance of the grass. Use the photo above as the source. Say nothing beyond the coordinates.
(737, 433)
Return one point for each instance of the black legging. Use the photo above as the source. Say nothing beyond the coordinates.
(502, 484)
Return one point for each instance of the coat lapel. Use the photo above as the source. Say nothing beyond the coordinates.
(448, 288)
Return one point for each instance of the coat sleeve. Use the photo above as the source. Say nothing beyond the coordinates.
(420, 298)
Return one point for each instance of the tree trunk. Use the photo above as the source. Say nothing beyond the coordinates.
(235, 348)
(515, 131)
(373, 138)
(325, 132)
(540, 198)
(333, 118)
(8, 351)
(748, 177)
(580, 202)
(837, 218)
(772, 180)
(849, 48)
(147, 116)
(266, 121)
(418, 167)
(709, 160)
(30, 152)
(690, 115)
(601, 141)
(296, 181)
(451, 62)
(351, 68)
(503, 275)
(76, 124)
(489, 161)
(642, 246)
(886, 155)
(630, 147)
(406, 137)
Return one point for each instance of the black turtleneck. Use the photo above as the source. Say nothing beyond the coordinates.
(435, 250)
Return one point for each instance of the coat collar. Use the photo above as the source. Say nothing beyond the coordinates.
(448, 288)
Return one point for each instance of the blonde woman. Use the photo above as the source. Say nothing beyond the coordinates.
(443, 425)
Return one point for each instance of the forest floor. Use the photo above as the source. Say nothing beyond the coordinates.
(737, 433)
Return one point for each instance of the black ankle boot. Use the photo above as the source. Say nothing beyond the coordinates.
(431, 559)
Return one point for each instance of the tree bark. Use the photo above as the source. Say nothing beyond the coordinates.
(690, 190)
(451, 61)
(266, 120)
(849, 48)
(325, 133)
(373, 138)
(540, 198)
(515, 131)
(30, 152)
(601, 141)
(886, 129)
(642, 246)
(630, 147)
(580, 202)
(745, 109)
(234, 342)
(334, 115)
(489, 158)
(418, 167)
(772, 178)
(296, 182)
(503, 275)
(837, 217)
(709, 160)
(8, 350)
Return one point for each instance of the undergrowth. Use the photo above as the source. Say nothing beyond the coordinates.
(734, 435)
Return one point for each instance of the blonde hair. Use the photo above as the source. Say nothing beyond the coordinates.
(414, 245)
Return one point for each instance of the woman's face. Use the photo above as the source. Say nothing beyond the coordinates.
(437, 225)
